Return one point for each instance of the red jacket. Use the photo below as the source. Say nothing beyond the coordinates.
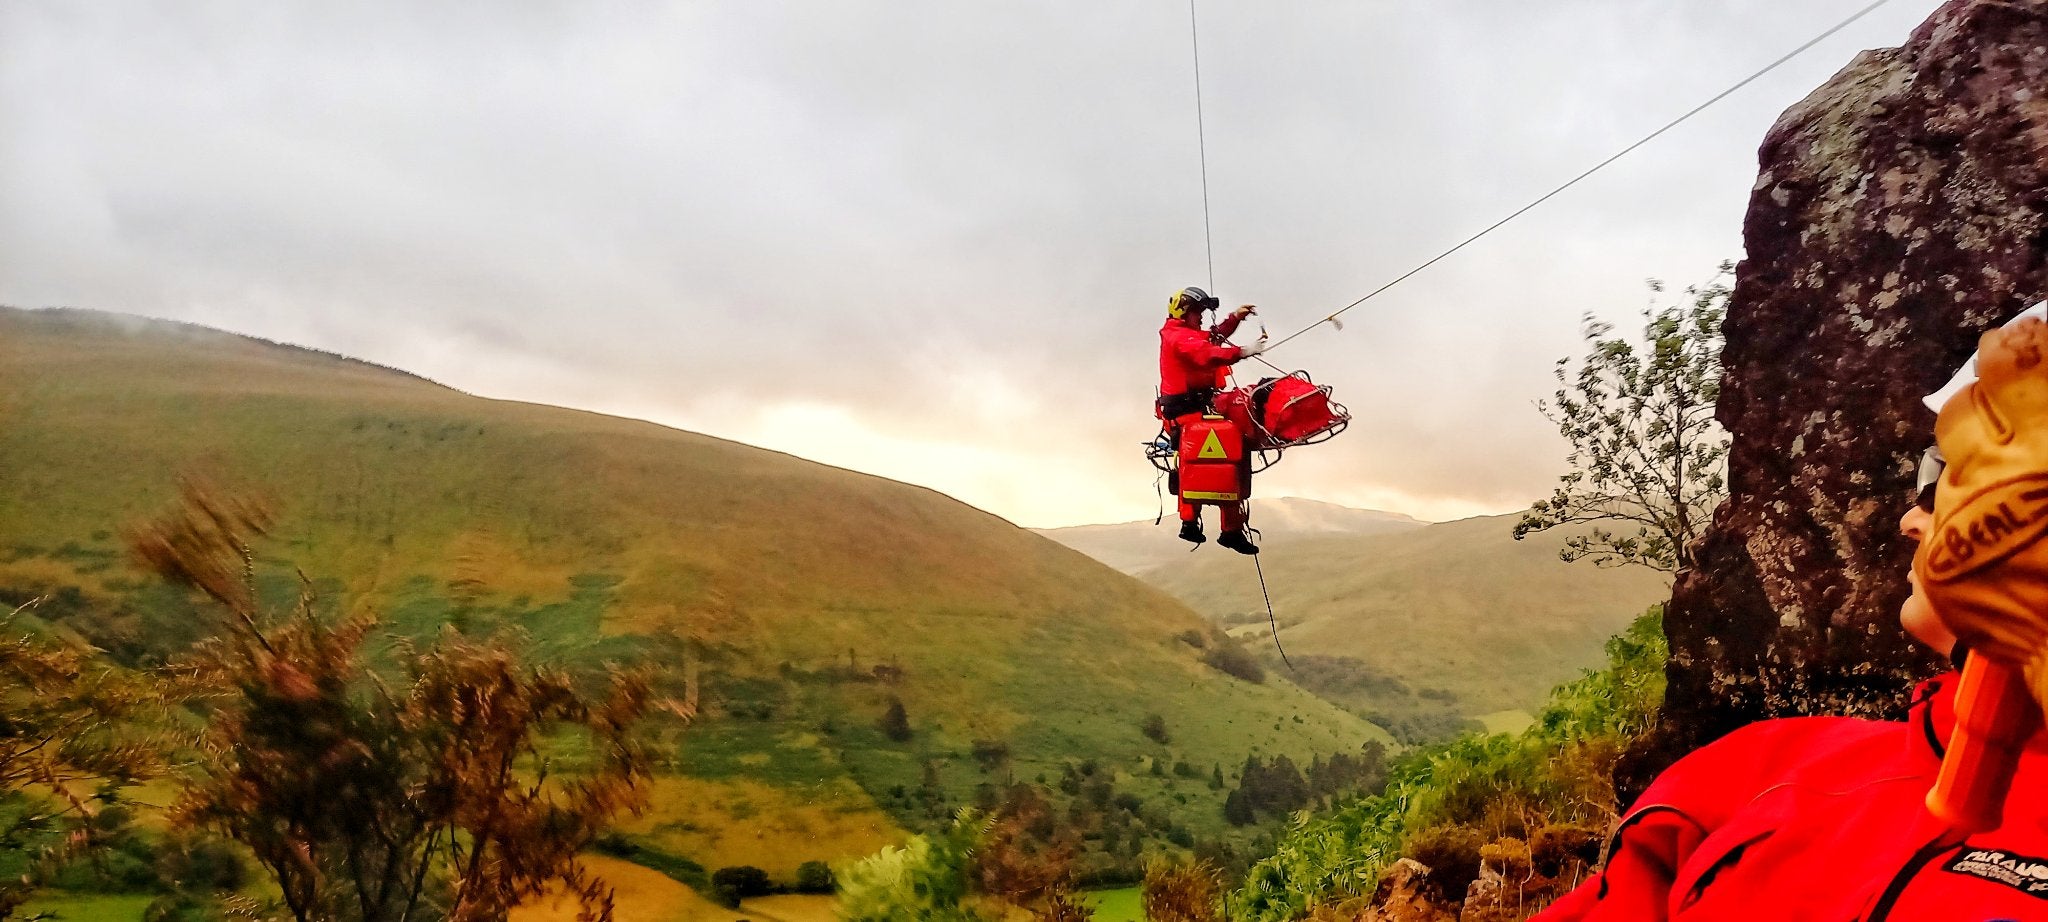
(1820, 819)
(1190, 357)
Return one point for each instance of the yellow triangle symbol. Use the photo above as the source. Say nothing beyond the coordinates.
(1212, 447)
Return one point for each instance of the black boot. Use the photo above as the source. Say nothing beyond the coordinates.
(1237, 541)
(1191, 531)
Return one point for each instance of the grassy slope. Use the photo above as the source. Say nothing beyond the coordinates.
(1459, 605)
(589, 531)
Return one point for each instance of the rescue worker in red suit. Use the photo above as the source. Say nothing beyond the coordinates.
(1824, 818)
(1194, 363)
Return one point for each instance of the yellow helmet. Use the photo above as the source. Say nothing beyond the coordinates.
(1189, 299)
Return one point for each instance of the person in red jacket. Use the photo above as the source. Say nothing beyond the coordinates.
(1193, 364)
(1825, 818)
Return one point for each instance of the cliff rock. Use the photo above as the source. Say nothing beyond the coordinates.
(1901, 209)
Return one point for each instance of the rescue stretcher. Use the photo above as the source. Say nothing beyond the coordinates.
(1245, 431)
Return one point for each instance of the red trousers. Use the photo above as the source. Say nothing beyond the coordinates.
(1234, 514)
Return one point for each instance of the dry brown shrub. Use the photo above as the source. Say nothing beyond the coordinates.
(72, 733)
(1063, 904)
(1451, 852)
(1182, 892)
(368, 803)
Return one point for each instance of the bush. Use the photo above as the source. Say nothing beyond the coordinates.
(1181, 892)
(184, 906)
(674, 867)
(127, 867)
(313, 759)
(895, 722)
(1237, 809)
(991, 754)
(1230, 658)
(814, 877)
(1154, 728)
(925, 880)
(201, 864)
(1451, 852)
(1063, 904)
(731, 885)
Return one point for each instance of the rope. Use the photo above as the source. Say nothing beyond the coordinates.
(1525, 209)
(1202, 144)
(1271, 621)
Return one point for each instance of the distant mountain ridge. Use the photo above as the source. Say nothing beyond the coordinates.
(1135, 547)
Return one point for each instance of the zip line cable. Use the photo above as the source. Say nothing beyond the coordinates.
(1525, 209)
(1209, 244)
(1202, 144)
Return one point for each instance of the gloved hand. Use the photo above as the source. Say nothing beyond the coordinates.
(1246, 311)
(1245, 352)
(1984, 565)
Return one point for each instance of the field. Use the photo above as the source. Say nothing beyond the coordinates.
(642, 895)
(745, 822)
(93, 908)
(1125, 905)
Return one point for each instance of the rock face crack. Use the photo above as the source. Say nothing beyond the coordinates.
(1900, 210)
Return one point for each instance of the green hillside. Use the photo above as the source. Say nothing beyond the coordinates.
(1453, 619)
(806, 598)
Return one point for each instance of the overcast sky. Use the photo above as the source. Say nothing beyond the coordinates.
(927, 240)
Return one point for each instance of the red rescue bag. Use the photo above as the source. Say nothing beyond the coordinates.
(1211, 462)
(1283, 412)
(1296, 410)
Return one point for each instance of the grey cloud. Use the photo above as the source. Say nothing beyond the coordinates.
(957, 221)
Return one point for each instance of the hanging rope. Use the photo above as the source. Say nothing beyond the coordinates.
(1525, 209)
(1271, 621)
(1202, 144)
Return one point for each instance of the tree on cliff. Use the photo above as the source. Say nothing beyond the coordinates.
(1646, 453)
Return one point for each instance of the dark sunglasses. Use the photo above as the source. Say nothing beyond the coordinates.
(1931, 466)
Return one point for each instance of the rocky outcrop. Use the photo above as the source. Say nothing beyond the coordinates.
(1901, 210)
(1406, 894)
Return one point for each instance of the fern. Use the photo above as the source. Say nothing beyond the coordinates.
(1556, 768)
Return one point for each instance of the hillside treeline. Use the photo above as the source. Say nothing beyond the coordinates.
(1500, 819)
(1277, 787)
(1500, 823)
